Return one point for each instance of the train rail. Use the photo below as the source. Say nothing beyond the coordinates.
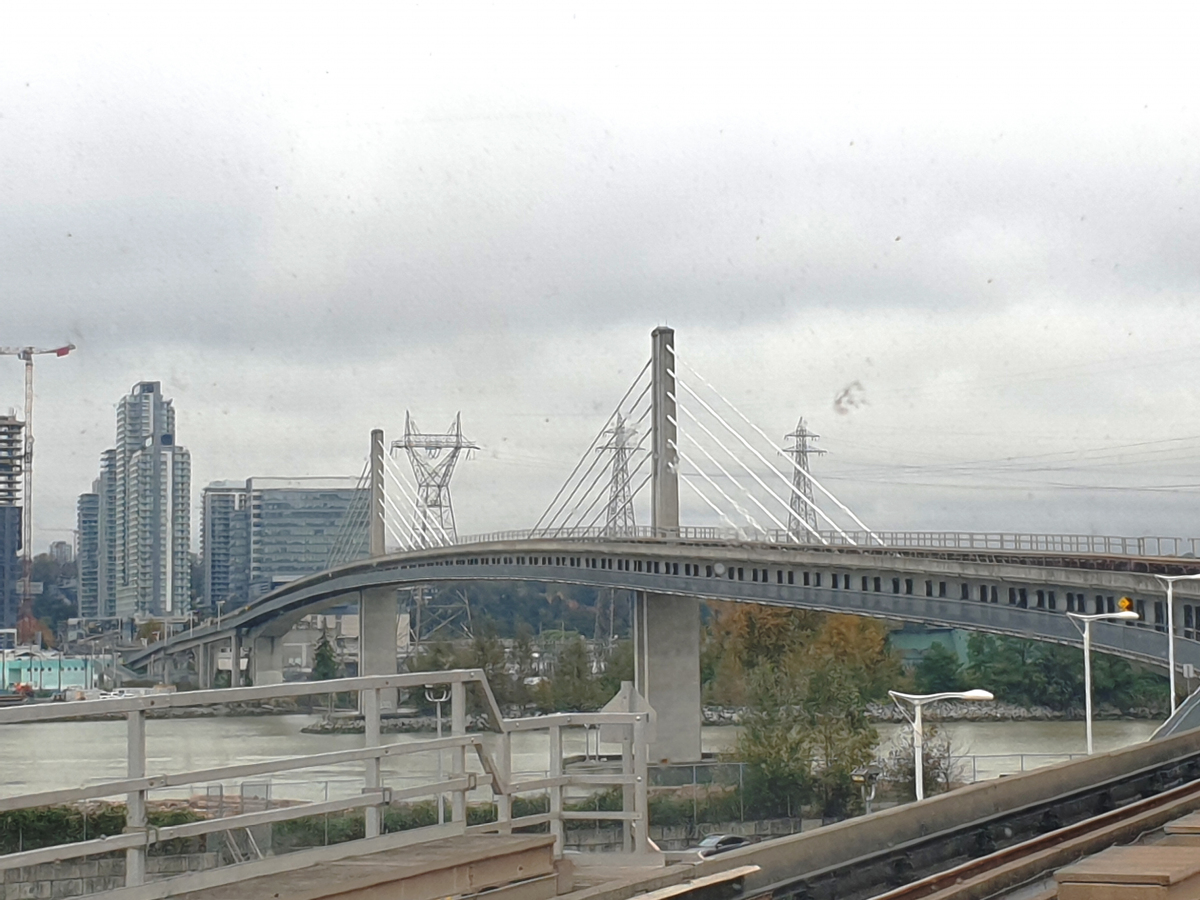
(983, 858)
(1035, 858)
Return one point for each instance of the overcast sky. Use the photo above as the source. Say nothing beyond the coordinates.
(304, 221)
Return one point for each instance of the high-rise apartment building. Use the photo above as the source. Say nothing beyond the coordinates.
(269, 531)
(12, 456)
(225, 544)
(87, 526)
(62, 552)
(143, 513)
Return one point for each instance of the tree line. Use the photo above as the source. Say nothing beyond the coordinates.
(1033, 673)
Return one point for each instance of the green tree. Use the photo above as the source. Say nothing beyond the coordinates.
(487, 653)
(1030, 673)
(844, 739)
(939, 670)
(325, 664)
(573, 686)
(618, 667)
(775, 745)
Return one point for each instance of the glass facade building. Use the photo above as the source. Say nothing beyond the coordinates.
(269, 531)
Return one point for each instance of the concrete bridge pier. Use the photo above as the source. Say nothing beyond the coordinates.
(378, 608)
(667, 627)
(266, 660)
(206, 665)
(235, 659)
(378, 619)
(666, 634)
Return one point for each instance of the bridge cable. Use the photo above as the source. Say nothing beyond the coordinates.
(412, 496)
(720, 512)
(749, 471)
(777, 448)
(596, 460)
(749, 519)
(396, 536)
(628, 479)
(700, 493)
(410, 524)
(600, 495)
(356, 517)
(748, 446)
(594, 442)
(595, 480)
(412, 543)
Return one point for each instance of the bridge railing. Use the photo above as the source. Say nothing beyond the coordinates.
(492, 770)
(1103, 545)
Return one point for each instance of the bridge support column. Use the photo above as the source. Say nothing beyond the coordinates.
(378, 619)
(666, 635)
(266, 661)
(206, 665)
(235, 659)
(667, 628)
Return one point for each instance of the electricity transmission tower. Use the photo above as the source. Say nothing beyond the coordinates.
(802, 512)
(435, 613)
(433, 457)
(619, 520)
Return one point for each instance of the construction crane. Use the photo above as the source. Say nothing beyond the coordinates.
(26, 354)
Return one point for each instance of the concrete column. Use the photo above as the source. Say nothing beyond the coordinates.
(667, 672)
(378, 615)
(206, 665)
(235, 659)
(266, 660)
(664, 481)
(375, 520)
(202, 676)
(667, 628)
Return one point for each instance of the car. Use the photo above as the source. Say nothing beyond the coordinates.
(720, 843)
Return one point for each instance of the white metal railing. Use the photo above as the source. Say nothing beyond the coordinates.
(374, 797)
(986, 766)
(1109, 545)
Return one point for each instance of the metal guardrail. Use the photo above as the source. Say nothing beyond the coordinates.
(374, 796)
(1107, 545)
(986, 766)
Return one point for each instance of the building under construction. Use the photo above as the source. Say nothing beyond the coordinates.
(12, 454)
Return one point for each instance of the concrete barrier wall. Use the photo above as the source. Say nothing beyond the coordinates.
(837, 844)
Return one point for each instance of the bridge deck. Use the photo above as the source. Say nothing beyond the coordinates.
(451, 867)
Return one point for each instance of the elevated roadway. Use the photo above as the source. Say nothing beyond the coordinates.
(1022, 593)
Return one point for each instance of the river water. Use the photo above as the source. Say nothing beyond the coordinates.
(47, 756)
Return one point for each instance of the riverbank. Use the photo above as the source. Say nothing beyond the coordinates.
(965, 711)
(949, 711)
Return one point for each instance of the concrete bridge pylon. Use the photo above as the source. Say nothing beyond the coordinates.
(378, 607)
(666, 628)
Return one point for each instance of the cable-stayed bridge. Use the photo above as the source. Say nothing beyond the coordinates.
(773, 534)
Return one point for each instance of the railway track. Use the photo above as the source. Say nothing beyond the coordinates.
(1035, 858)
(983, 858)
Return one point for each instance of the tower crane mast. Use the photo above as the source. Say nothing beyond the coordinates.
(26, 355)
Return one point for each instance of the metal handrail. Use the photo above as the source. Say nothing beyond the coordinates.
(1146, 545)
(374, 796)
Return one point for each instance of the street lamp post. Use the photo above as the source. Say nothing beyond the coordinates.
(1170, 580)
(918, 701)
(1126, 615)
(438, 696)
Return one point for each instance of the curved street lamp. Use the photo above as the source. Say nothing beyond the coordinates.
(918, 701)
(1125, 615)
(1170, 580)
